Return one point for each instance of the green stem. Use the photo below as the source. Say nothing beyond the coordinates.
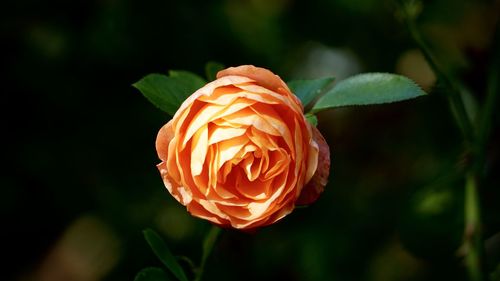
(453, 93)
(208, 245)
(472, 233)
(472, 239)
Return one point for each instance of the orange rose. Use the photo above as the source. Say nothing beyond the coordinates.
(239, 151)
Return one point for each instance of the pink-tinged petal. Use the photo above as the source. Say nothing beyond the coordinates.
(165, 135)
(181, 194)
(313, 189)
(313, 153)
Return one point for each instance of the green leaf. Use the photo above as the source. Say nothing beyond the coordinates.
(163, 253)
(168, 92)
(152, 274)
(311, 118)
(308, 90)
(369, 88)
(186, 81)
(156, 88)
(211, 69)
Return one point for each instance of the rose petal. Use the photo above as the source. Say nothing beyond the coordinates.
(208, 89)
(200, 120)
(278, 162)
(223, 95)
(265, 77)
(248, 118)
(313, 154)
(218, 134)
(229, 148)
(199, 148)
(257, 190)
(199, 211)
(316, 185)
(165, 135)
(271, 117)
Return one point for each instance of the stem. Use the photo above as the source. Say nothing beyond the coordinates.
(472, 233)
(453, 93)
(472, 239)
(208, 245)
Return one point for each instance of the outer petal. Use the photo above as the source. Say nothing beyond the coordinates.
(208, 90)
(165, 135)
(313, 189)
(263, 76)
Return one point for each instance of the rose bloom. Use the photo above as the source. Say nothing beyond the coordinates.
(240, 153)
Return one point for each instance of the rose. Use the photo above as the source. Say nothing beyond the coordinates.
(239, 151)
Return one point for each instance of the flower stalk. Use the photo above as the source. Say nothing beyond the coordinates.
(474, 143)
(208, 245)
(472, 235)
(409, 11)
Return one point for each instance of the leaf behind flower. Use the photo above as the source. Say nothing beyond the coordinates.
(308, 90)
(169, 92)
(312, 119)
(369, 88)
(211, 69)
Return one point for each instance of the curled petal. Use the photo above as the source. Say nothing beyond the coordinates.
(264, 77)
(165, 135)
(313, 189)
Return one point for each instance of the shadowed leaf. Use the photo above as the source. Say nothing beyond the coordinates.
(163, 253)
(211, 69)
(152, 274)
(308, 90)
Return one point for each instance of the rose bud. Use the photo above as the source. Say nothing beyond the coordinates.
(240, 153)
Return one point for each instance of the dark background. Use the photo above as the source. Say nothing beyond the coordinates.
(79, 180)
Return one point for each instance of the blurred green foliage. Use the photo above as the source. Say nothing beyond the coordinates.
(80, 181)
